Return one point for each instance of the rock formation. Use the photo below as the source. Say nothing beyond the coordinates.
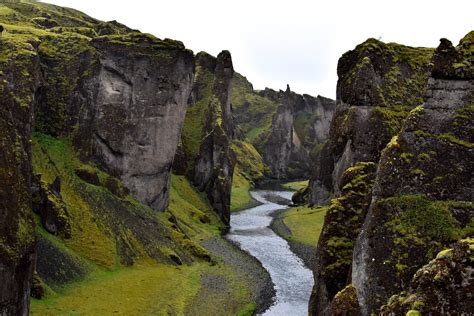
(206, 155)
(287, 128)
(421, 199)
(423, 192)
(378, 85)
(17, 242)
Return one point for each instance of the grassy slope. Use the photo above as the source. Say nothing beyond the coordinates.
(149, 287)
(249, 168)
(296, 185)
(305, 224)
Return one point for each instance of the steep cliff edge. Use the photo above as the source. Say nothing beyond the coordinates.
(378, 85)
(17, 242)
(419, 198)
(107, 104)
(287, 128)
(205, 155)
(423, 192)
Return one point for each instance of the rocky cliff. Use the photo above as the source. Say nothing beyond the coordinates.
(17, 242)
(418, 201)
(206, 156)
(287, 128)
(107, 104)
(378, 85)
(423, 192)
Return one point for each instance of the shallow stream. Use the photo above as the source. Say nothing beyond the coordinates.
(250, 229)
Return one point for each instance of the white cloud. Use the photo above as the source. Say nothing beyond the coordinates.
(297, 42)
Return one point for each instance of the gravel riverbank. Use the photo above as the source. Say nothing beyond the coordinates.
(248, 268)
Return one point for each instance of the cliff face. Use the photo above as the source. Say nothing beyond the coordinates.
(378, 85)
(140, 99)
(287, 128)
(17, 242)
(423, 192)
(417, 202)
(107, 104)
(205, 155)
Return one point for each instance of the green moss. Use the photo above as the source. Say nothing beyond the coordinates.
(196, 115)
(406, 157)
(296, 185)
(413, 313)
(418, 216)
(454, 140)
(249, 169)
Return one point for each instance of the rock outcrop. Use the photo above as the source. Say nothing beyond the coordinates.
(419, 200)
(205, 155)
(378, 85)
(17, 242)
(443, 286)
(287, 128)
(123, 102)
(107, 104)
(140, 99)
(342, 225)
(423, 193)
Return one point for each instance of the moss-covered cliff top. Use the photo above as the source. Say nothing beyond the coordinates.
(384, 74)
(27, 23)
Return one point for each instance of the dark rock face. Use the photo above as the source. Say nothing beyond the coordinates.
(378, 85)
(48, 203)
(138, 113)
(287, 128)
(342, 224)
(423, 193)
(300, 124)
(443, 286)
(215, 164)
(17, 242)
(124, 103)
(345, 303)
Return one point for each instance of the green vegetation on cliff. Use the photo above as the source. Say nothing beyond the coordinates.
(248, 170)
(100, 232)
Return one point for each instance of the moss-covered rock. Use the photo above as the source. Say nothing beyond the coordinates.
(286, 128)
(19, 81)
(378, 85)
(345, 302)
(444, 285)
(342, 224)
(422, 196)
(206, 156)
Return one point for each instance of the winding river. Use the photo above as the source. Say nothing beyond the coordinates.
(250, 229)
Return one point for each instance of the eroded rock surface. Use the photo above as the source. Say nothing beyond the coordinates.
(17, 242)
(423, 193)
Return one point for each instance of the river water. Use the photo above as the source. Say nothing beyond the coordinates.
(250, 229)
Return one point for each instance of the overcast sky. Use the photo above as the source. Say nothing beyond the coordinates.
(296, 42)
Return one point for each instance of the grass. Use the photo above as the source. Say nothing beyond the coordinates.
(240, 196)
(296, 185)
(146, 290)
(305, 223)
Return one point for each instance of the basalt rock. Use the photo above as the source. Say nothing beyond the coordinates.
(287, 128)
(423, 193)
(378, 85)
(443, 286)
(215, 163)
(17, 242)
(48, 203)
(342, 225)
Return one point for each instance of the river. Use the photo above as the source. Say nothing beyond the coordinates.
(250, 230)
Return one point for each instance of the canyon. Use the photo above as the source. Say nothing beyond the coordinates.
(123, 157)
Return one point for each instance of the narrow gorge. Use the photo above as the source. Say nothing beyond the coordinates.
(139, 177)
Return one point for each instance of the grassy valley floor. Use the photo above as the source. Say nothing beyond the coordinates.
(300, 226)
